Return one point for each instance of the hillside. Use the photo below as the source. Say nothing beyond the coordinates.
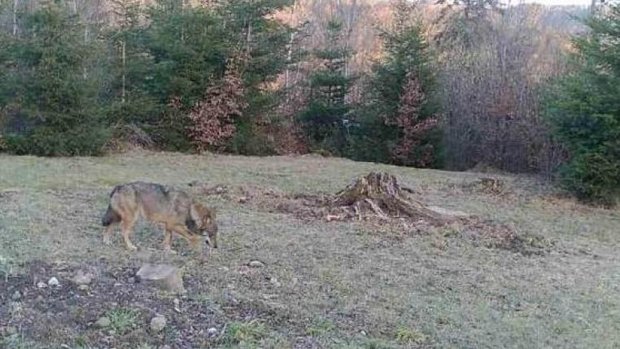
(552, 281)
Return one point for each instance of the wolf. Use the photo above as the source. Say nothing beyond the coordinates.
(170, 207)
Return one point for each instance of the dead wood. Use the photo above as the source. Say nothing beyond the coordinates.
(379, 194)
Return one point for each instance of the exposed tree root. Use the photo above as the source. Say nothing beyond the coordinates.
(380, 195)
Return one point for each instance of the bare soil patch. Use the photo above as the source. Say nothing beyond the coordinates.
(379, 202)
(67, 314)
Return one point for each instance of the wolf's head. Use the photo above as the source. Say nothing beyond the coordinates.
(202, 222)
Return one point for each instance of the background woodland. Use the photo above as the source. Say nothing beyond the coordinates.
(448, 84)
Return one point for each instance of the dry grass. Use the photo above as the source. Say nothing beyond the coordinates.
(324, 285)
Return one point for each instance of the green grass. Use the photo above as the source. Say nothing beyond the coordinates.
(122, 320)
(340, 279)
(244, 333)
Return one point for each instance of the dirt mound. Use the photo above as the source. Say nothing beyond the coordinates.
(496, 235)
(489, 186)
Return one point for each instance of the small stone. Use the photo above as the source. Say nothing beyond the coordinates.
(131, 280)
(11, 330)
(111, 332)
(256, 264)
(212, 332)
(243, 200)
(177, 305)
(165, 346)
(16, 296)
(82, 278)
(103, 322)
(83, 288)
(53, 282)
(41, 284)
(274, 281)
(39, 298)
(158, 323)
(117, 284)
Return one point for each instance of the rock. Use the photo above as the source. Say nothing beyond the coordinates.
(131, 280)
(274, 281)
(244, 270)
(212, 332)
(16, 296)
(166, 277)
(103, 322)
(158, 323)
(165, 346)
(10, 330)
(83, 287)
(41, 284)
(53, 282)
(82, 278)
(256, 264)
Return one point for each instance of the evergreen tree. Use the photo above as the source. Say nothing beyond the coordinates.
(257, 43)
(51, 104)
(584, 109)
(325, 117)
(130, 69)
(397, 124)
(188, 48)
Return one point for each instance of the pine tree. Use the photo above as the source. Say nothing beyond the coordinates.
(130, 68)
(584, 109)
(397, 124)
(257, 41)
(189, 52)
(52, 103)
(325, 117)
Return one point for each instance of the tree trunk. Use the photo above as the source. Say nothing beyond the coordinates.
(123, 92)
(15, 5)
(380, 194)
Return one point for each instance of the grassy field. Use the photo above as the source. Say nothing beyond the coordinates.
(323, 284)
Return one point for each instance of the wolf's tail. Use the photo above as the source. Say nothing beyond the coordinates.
(110, 217)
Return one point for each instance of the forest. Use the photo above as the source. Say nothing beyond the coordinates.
(451, 84)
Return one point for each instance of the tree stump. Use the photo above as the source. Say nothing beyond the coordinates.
(379, 194)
